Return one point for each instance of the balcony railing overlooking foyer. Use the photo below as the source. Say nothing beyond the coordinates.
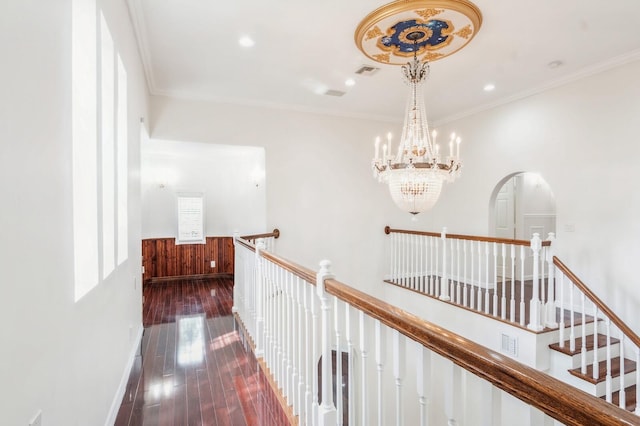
(395, 367)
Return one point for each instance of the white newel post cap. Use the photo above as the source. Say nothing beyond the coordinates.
(323, 274)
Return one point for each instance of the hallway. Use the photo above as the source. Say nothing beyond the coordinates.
(193, 368)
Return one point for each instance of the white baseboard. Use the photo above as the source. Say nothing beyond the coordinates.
(117, 399)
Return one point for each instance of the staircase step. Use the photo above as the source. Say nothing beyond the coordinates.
(630, 397)
(602, 342)
(629, 366)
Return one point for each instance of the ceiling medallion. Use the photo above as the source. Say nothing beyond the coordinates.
(411, 33)
(445, 26)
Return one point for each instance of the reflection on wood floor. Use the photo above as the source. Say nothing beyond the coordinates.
(193, 367)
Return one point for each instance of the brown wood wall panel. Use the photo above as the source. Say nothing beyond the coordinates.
(161, 257)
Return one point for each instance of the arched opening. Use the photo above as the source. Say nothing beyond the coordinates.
(522, 204)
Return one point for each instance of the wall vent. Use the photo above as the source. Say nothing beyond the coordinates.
(367, 70)
(331, 92)
(510, 345)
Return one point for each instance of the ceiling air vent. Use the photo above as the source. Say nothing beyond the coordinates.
(331, 92)
(367, 70)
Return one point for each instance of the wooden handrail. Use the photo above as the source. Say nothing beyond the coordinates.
(297, 270)
(559, 400)
(275, 234)
(388, 230)
(624, 328)
(300, 271)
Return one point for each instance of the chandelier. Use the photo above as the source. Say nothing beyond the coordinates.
(425, 30)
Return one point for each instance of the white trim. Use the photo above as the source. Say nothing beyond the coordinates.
(609, 64)
(140, 29)
(117, 399)
(612, 63)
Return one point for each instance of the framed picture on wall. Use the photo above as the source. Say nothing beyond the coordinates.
(190, 218)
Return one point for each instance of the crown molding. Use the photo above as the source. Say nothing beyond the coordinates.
(175, 94)
(138, 22)
(598, 68)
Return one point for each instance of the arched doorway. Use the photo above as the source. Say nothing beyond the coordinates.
(522, 204)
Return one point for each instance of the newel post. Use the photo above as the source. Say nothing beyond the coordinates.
(551, 284)
(444, 283)
(259, 291)
(327, 410)
(534, 304)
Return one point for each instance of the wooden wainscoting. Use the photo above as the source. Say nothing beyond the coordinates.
(163, 259)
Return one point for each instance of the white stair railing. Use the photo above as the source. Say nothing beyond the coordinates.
(433, 375)
(480, 273)
(620, 373)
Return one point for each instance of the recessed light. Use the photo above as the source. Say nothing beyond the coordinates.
(349, 82)
(246, 41)
(489, 87)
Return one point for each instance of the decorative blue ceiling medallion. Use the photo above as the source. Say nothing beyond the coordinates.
(436, 28)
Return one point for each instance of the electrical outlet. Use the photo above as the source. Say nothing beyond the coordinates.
(213, 263)
(37, 419)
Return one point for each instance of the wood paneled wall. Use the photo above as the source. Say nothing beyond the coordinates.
(161, 257)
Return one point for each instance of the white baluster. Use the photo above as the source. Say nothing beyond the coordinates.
(572, 329)
(551, 321)
(380, 355)
(444, 284)
(313, 376)
(495, 279)
(305, 351)
(423, 370)
(458, 258)
(327, 410)
(465, 282)
(522, 306)
(423, 264)
(472, 289)
(337, 321)
(392, 268)
(267, 312)
(479, 301)
(302, 349)
(595, 363)
(433, 253)
(350, 385)
(452, 261)
(487, 300)
(622, 394)
(288, 362)
(583, 348)
(637, 380)
(561, 324)
(503, 300)
(399, 361)
(259, 297)
(608, 376)
(534, 304)
(407, 266)
(363, 368)
(512, 299)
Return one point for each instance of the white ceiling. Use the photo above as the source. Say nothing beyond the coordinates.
(190, 50)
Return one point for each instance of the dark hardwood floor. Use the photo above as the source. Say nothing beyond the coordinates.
(193, 367)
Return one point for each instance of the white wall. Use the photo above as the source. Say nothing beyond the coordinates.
(582, 138)
(321, 194)
(320, 189)
(62, 357)
(231, 179)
